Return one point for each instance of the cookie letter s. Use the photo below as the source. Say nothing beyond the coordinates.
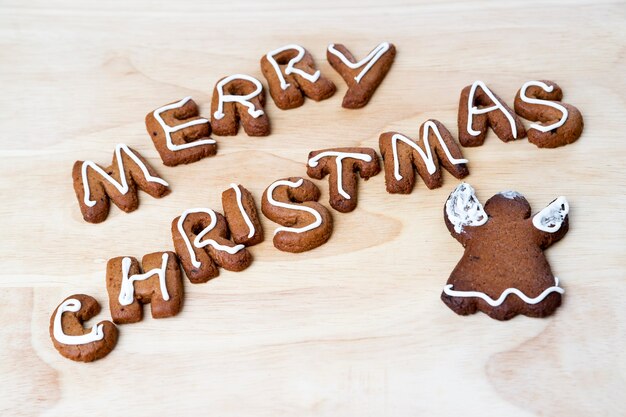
(292, 203)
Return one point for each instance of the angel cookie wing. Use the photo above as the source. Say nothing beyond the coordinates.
(551, 218)
(464, 209)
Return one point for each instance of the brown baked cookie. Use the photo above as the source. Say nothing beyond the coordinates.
(179, 134)
(161, 286)
(342, 165)
(239, 97)
(201, 240)
(540, 101)
(503, 271)
(480, 108)
(362, 77)
(291, 74)
(69, 336)
(403, 156)
(242, 216)
(94, 186)
(292, 203)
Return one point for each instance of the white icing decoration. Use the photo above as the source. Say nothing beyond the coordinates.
(551, 218)
(371, 59)
(510, 194)
(547, 89)
(290, 69)
(245, 216)
(472, 110)
(339, 157)
(196, 242)
(296, 184)
(73, 305)
(495, 303)
(123, 186)
(464, 209)
(127, 289)
(428, 159)
(171, 129)
(245, 100)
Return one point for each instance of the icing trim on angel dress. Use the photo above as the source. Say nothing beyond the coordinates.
(495, 303)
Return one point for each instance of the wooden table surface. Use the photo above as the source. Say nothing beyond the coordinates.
(355, 327)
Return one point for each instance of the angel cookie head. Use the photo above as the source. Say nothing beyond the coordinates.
(503, 271)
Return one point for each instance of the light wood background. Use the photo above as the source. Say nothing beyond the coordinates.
(356, 327)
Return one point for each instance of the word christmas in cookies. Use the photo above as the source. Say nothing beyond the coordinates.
(503, 271)
(94, 186)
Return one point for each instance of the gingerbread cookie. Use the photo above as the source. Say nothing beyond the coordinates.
(291, 74)
(239, 97)
(402, 157)
(503, 271)
(242, 216)
(480, 108)
(94, 186)
(292, 203)
(69, 336)
(561, 123)
(201, 240)
(179, 134)
(342, 165)
(362, 77)
(161, 286)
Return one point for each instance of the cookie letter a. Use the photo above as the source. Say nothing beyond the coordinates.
(479, 108)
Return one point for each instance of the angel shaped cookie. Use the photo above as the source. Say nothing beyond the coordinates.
(503, 271)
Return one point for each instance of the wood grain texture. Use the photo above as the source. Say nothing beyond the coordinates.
(356, 327)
